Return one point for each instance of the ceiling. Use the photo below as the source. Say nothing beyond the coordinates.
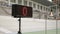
(44, 2)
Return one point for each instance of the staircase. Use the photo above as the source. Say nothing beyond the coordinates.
(5, 11)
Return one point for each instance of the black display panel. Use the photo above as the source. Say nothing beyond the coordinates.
(21, 11)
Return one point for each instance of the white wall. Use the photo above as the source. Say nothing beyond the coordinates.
(27, 24)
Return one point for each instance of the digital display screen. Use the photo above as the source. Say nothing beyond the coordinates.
(21, 11)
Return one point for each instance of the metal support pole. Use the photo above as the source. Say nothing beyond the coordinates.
(46, 21)
(56, 22)
(46, 24)
(19, 32)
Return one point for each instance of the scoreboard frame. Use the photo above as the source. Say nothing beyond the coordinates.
(21, 11)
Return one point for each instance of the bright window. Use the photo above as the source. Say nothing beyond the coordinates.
(50, 0)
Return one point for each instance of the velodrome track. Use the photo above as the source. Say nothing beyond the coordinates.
(9, 24)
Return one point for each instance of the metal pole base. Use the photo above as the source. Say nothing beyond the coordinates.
(19, 32)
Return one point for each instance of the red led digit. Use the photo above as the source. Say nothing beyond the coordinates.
(24, 12)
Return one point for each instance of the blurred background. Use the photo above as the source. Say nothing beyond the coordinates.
(45, 20)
